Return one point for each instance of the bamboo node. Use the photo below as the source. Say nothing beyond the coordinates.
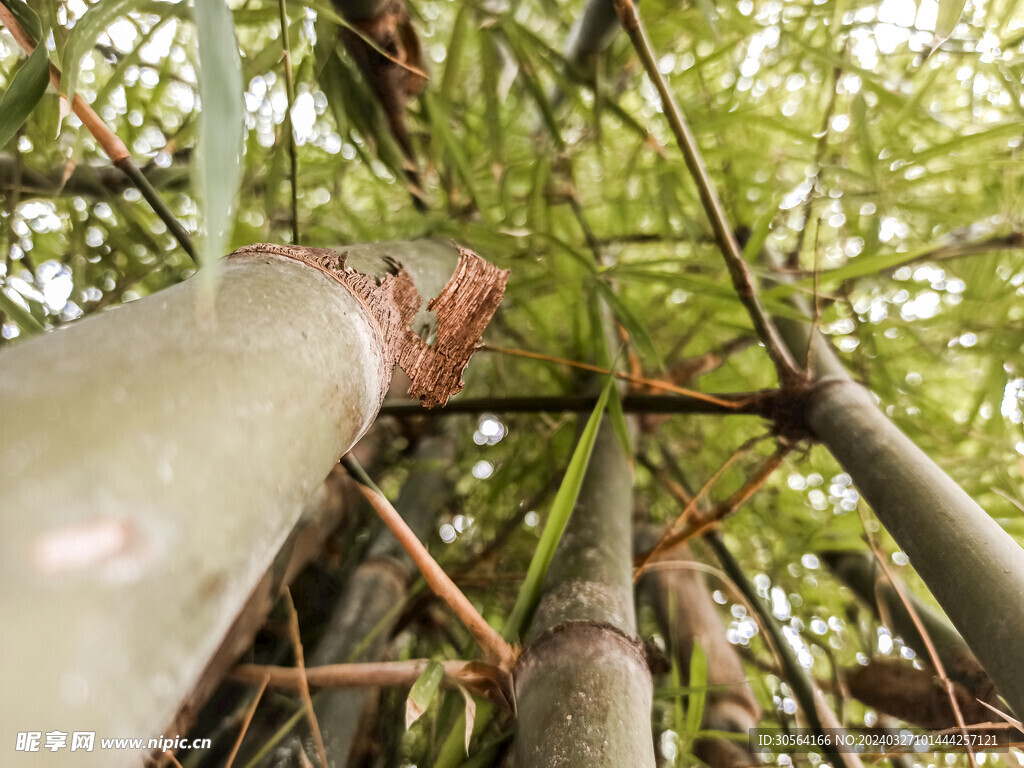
(788, 408)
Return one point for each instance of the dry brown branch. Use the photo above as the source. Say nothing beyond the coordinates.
(300, 667)
(247, 721)
(495, 649)
(664, 386)
(672, 533)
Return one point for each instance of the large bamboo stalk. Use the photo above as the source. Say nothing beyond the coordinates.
(973, 568)
(154, 458)
(583, 686)
(971, 565)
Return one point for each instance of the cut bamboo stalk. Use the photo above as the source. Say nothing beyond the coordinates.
(156, 456)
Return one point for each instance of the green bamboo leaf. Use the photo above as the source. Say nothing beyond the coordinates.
(218, 161)
(453, 70)
(455, 147)
(24, 319)
(698, 691)
(528, 77)
(569, 76)
(423, 692)
(604, 358)
(859, 267)
(25, 91)
(869, 155)
(83, 36)
(637, 330)
(950, 12)
(489, 63)
(964, 141)
(26, 17)
(758, 235)
(558, 519)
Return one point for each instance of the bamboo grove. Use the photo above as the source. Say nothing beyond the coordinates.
(739, 446)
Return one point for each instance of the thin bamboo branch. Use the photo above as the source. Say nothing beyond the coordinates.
(788, 372)
(671, 534)
(358, 675)
(264, 681)
(300, 668)
(109, 142)
(653, 383)
(491, 642)
(705, 523)
(748, 404)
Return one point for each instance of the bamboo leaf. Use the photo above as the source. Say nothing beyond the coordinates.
(489, 63)
(26, 17)
(604, 358)
(423, 692)
(218, 163)
(949, 15)
(637, 330)
(83, 36)
(470, 715)
(859, 267)
(698, 691)
(758, 235)
(453, 71)
(24, 319)
(455, 148)
(558, 519)
(25, 91)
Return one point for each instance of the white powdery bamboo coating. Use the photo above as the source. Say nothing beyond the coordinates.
(154, 458)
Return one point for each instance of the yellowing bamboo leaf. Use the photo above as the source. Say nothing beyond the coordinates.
(470, 715)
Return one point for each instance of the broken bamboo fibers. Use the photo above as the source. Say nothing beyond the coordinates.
(155, 457)
(495, 649)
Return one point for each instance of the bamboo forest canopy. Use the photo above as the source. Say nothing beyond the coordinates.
(868, 160)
